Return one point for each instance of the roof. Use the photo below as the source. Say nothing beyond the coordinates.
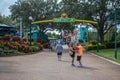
(6, 27)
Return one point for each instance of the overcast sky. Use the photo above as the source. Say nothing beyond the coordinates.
(4, 6)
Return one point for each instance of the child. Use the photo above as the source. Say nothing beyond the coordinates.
(80, 53)
(72, 53)
(59, 50)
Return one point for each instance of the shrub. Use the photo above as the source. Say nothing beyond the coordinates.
(26, 48)
(21, 41)
(93, 42)
(41, 47)
(112, 44)
(38, 41)
(16, 38)
(27, 43)
(35, 48)
(6, 37)
(46, 45)
(25, 39)
(1, 37)
(6, 44)
(1, 46)
(86, 43)
(94, 47)
(1, 51)
(8, 52)
(16, 46)
(118, 44)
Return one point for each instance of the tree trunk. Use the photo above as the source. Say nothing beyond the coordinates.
(101, 32)
(101, 36)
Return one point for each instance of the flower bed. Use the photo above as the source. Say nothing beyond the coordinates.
(16, 45)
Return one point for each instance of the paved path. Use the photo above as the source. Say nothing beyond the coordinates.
(45, 66)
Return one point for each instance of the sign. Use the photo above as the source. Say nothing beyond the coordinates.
(64, 15)
(64, 20)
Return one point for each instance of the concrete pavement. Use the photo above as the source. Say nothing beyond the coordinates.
(45, 66)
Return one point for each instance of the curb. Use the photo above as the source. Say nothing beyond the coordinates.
(105, 59)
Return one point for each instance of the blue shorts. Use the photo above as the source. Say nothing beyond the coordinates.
(59, 53)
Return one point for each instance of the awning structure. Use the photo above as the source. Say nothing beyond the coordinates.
(5, 29)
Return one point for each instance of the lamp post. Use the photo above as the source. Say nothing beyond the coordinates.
(30, 18)
(21, 27)
(115, 30)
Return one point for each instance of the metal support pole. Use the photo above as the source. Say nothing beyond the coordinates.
(21, 25)
(30, 33)
(98, 38)
(115, 32)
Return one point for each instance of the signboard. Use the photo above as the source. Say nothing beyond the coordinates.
(64, 20)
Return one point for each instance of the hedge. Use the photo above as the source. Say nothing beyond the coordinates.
(36, 48)
(112, 44)
(94, 47)
(107, 45)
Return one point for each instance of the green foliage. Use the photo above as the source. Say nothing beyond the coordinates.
(109, 35)
(1, 46)
(8, 48)
(6, 20)
(35, 48)
(93, 42)
(112, 44)
(92, 36)
(8, 52)
(26, 48)
(1, 51)
(49, 9)
(118, 36)
(38, 9)
(52, 35)
(108, 53)
(107, 45)
(6, 37)
(94, 47)
(16, 38)
(1, 37)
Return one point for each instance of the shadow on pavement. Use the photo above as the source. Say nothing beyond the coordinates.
(86, 67)
(65, 61)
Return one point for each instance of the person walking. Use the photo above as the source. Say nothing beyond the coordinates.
(72, 53)
(59, 50)
(79, 53)
(51, 46)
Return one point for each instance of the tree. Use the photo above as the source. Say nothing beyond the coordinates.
(91, 10)
(6, 20)
(48, 9)
(103, 11)
(38, 9)
(118, 36)
(109, 36)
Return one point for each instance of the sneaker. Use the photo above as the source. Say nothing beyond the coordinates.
(81, 65)
(73, 64)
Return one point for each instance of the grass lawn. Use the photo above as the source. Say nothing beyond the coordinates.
(108, 53)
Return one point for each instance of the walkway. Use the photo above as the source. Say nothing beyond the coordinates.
(45, 66)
